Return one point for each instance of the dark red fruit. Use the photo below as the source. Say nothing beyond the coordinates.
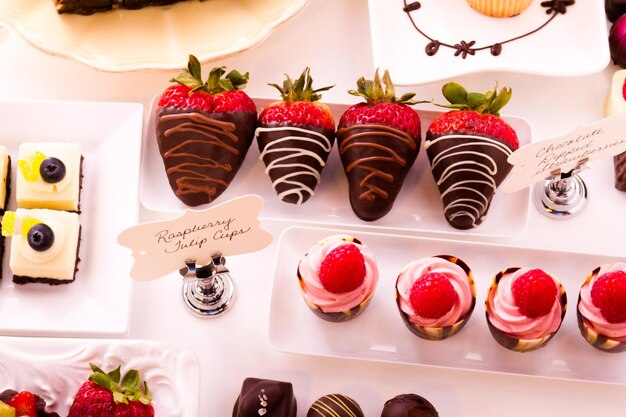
(535, 293)
(432, 295)
(343, 269)
(609, 295)
(25, 404)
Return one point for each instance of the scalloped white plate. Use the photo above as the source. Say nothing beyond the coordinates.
(98, 301)
(379, 333)
(573, 44)
(55, 369)
(151, 38)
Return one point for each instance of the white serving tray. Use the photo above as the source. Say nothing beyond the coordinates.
(555, 50)
(98, 302)
(379, 333)
(55, 368)
(417, 208)
(150, 38)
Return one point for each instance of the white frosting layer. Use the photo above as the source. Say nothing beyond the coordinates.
(40, 194)
(291, 153)
(59, 261)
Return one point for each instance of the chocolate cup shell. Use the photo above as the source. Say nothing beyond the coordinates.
(339, 316)
(595, 339)
(512, 342)
(440, 333)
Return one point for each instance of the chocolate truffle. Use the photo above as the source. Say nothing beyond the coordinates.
(409, 405)
(335, 405)
(264, 397)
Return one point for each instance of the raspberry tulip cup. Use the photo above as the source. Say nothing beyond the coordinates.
(345, 293)
(510, 340)
(593, 336)
(455, 270)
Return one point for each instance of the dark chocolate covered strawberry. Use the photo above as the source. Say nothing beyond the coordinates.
(295, 137)
(378, 141)
(468, 150)
(204, 130)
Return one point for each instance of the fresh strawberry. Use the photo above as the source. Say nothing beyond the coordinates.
(105, 396)
(343, 269)
(432, 295)
(378, 143)
(295, 137)
(609, 294)
(535, 293)
(25, 404)
(468, 149)
(204, 130)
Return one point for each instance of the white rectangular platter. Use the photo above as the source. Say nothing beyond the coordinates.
(98, 302)
(380, 335)
(55, 368)
(418, 206)
(555, 50)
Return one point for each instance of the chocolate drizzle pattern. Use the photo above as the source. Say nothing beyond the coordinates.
(335, 405)
(202, 152)
(376, 160)
(464, 48)
(294, 158)
(620, 171)
(468, 170)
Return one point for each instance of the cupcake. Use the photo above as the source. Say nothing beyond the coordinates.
(335, 405)
(500, 8)
(409, 405)
(435, 296)
(338, 277)
(602, 308)
(525, 308)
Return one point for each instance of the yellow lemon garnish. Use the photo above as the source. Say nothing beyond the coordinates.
(8, 222)
(27, 223)
(29, 167)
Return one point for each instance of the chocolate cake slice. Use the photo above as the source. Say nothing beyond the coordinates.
(294, 158)
(202, 151)
(467, 169)
(376, 160)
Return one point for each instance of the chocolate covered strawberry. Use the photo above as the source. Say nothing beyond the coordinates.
(111, 395)
(295, 137)
(378, 141)
(23, 404)
(204, 130)
(468, 150)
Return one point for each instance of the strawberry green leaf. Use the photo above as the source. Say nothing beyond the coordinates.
(194, 68)
(115, 374)
(238, 80)
(95, 368)
(103, 380)
(120, 398)
(455, 93)
(130, 380)
(146, 391)
(226, 84)
(475, 99)
(406, 97)
(501, 100)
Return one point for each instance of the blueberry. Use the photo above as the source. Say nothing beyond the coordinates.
(52, 170)
(40, 237)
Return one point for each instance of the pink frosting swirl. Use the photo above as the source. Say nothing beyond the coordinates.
(458, 278)
(593, 315)
(312, 288)
(506, 317)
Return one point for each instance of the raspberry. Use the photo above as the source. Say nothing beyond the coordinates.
(534, 293)
(343, 269)
(432, 295)
(609, 294)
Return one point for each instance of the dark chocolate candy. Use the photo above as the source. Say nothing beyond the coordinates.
(264, 397)
(468, 170)
(294, 158)
(614, 9)
(335, 405)
(83, 6)
(201, 151)
(620, 171)
(376, 159)
(409, 405)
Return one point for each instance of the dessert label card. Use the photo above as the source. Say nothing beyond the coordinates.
(162, 247)
(537, 161)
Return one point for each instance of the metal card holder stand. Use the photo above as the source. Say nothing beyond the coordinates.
(208, 290)
(562, 195)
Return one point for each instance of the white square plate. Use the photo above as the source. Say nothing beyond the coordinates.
(573, 44)
(54, 369)
(379, 333)
(417, 208)
(98, 302)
